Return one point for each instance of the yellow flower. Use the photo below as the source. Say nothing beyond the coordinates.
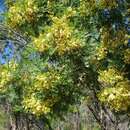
(117, 97)
(110, 4)
(59, 36)
(110, 77)
(127, 56)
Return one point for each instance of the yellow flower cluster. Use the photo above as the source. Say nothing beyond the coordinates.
(87, 7)
(101, 52)
(118, 97)
(127, 37)
(59, 36)
(42, 43)
(110, 77)
(42, 83)
(5, 76)
(35, 106)
(109, 4)
(46, 81)
(22, 11)
(70, 12)
(127, 56)
(110, 40)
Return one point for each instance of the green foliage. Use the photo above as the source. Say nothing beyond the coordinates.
(117, 97)
(3, 119)
(112, 57)
(75, 46)
(45, 81)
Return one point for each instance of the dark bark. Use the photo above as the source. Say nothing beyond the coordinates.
(108, 120)
(78, 121)
(25, 122)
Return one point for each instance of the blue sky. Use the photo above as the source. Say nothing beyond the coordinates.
(2, 5)
(2, 9)
(8, 51)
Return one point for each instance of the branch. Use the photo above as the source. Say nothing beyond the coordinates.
(17, 38)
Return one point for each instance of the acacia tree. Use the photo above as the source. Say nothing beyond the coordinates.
(75, 49)
(43, 82)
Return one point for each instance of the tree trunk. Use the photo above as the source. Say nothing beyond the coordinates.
(25, 122)
(108, 120)
(12, 124)
(78, 123)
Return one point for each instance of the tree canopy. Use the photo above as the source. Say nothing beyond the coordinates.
(67, 51)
